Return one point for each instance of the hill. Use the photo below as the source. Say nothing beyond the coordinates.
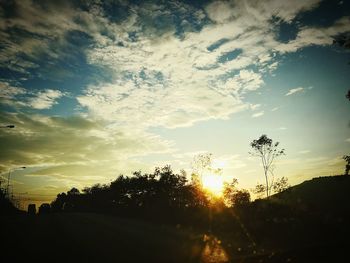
(322, 195)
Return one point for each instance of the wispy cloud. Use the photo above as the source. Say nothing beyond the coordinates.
(293, 91)
(161, 73)
(75, 147)
(258, 114)
(308, 36)
(9, 92)
(156, 67)
(20, 97)
(255, 106)
(45, 99)
(347, 140)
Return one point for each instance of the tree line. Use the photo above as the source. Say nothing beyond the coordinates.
(165, 194)
(157, 195)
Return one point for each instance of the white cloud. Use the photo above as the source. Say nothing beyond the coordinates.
(275, 108)
(220, 11)
(20, 97)
(158, 78)
(9, 92)
(155, 70)
(293, 91)
(189, 72)
(255, 106)
(259, 11)
(45, 99)
(258, 114)
(155, 105)
(308, 36)
(347, 140)
(304, 151)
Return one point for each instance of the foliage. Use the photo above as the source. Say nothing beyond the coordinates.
(159, 195)
(201, 162)
(259, 190)
(235, 197)
(268, 151)
(280, 185)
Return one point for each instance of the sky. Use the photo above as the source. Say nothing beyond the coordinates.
(96, 89)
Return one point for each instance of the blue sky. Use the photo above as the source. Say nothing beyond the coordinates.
(99, 88)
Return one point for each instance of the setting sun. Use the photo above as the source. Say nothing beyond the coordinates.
(213, 183)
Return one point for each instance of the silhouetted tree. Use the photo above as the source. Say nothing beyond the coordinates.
(229, 190)
(31, 209)
(73, 191)
(347, 165)
(44, 209)
(267, 151)
(58, 203)
(235, 197)
(162, 196)
(280, 185)
(343, 40)
(201, 162)
(241, 198)
(259, 190)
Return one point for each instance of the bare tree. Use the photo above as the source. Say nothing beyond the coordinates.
(267, 151)
(201, 162)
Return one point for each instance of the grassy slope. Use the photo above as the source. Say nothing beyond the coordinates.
(328, 195)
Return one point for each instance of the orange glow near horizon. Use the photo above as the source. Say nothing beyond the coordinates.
(213, 183)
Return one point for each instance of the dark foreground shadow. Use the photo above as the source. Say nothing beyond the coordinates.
(74, 237)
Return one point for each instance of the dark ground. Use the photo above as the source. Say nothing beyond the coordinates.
(68, 237)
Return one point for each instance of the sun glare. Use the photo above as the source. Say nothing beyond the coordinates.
(213, 183)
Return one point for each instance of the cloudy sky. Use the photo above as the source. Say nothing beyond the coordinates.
(99, 88)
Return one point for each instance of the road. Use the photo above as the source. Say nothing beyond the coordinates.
(83, 237)
(96, 238)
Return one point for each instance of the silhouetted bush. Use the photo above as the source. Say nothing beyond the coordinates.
(31, 209)
(44, 209)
